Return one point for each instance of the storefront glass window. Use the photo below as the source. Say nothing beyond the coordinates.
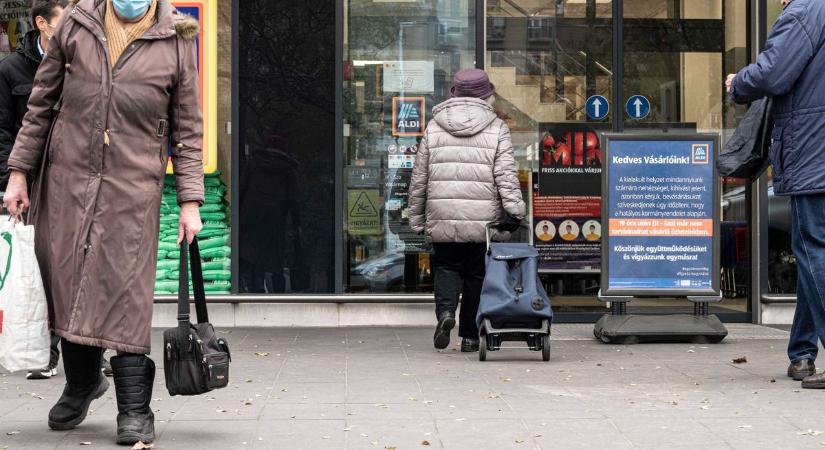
(781, 261)
(287, 178)
(676, 55)
(399, 59)
(546, 59)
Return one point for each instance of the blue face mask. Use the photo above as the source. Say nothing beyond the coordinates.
(131, 9)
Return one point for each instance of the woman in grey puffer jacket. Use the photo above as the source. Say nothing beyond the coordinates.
(464, 178)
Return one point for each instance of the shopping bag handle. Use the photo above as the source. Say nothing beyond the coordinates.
(191, 253)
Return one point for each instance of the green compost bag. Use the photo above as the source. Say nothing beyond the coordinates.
(213, 198)
(217, 275)
(168, 264)
(219, 252)
(215, 190)
(214, 224)
(174, 255)
(166, 285)
(213, 216)
(161, 274)
(168, 246)
(171, 239)
(169, 219)
(214, 242)
(161, 254)
(207, 233)
(217, 264)
(211, 207)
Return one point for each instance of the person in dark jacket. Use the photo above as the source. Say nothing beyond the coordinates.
(17, 75)
(790, 71)
(16, 78)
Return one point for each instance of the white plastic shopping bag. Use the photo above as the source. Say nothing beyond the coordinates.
(24, 316)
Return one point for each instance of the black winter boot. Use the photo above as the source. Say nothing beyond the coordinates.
(84, 383)
(134, 376)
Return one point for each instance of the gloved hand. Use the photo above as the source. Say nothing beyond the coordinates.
(509, 224)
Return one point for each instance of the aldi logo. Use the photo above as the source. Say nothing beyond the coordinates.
(700, 154)
(408, 116)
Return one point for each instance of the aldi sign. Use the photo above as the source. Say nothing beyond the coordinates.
(408, 116)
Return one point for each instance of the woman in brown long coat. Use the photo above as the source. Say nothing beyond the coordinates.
(119, 77)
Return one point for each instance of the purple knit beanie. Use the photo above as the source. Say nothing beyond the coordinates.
(472, 83)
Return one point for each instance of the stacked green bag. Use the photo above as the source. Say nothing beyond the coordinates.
(213, 239)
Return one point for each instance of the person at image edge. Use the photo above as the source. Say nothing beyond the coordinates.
(790, 70)
(118, 78)
(464, 178)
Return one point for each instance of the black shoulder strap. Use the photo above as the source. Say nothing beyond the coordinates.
(197, 283)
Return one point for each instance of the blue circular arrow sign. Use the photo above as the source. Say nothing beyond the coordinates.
(597, 107)
(638, 107)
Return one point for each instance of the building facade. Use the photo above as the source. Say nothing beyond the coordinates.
(320, 105)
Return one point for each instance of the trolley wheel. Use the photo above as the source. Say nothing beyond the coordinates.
(482, 346)
(545, 347)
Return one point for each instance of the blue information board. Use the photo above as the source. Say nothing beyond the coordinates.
(660, 210)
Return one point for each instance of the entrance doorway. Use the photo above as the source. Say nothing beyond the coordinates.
(564, 71)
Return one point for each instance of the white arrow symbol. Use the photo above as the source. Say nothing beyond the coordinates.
(597, 106)
(638, 103)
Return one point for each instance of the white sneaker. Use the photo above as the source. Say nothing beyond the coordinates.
(44, 374)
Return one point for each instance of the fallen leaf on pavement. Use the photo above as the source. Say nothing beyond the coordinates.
(773, 380)
(12, 433)
(519, 441)
(85, 443)
(741, 360)
(506, 379)
(141, 446)
(810, 432)
(261, 353)
(425, 442)
(745, 426)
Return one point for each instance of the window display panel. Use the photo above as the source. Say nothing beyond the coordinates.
(286, 188)
(399, 59)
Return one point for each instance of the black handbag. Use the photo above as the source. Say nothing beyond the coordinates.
(746, 153)
(195, 359)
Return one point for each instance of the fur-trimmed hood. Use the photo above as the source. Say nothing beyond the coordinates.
(185, 26)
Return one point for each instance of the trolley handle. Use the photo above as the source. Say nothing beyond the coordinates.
(488, 229)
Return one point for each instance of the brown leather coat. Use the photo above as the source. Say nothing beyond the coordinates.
(96, 138)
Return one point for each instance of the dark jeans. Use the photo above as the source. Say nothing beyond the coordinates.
(459, 271)
(808, 243)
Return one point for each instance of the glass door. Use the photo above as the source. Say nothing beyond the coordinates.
(399, 60)
(547, 58)
(676, 54)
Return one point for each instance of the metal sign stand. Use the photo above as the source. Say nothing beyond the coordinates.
(618, 327)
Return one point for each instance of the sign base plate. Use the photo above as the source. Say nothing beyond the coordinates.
(635, 329)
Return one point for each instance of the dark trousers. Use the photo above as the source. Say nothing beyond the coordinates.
(55, 351)
(459, 271)
(808, 243)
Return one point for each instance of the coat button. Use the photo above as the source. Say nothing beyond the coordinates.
(180, 145)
